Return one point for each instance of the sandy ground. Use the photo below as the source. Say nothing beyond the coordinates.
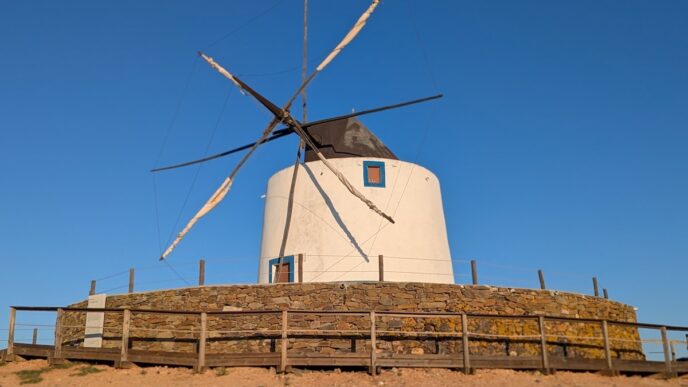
(87, 375)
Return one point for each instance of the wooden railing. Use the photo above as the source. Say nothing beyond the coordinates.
(545, 363)
(297, 272)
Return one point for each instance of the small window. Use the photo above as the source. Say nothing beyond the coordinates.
(373, 174)
(281, 272)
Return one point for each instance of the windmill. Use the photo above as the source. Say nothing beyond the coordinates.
(341, 147)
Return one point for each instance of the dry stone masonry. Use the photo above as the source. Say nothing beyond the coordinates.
(261, 332)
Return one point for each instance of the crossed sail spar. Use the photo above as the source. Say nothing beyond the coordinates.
(280, 115)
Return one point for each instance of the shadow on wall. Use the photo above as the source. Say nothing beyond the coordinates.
(334, 212)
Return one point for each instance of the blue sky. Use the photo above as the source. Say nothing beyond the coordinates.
(560, 143)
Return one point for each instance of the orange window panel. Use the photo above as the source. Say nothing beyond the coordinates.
(374, 174)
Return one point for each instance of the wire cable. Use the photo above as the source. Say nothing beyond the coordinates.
(244, 25)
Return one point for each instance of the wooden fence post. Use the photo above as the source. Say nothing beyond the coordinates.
(201, 272)
(126, 321)
(381, 267)
(373, 344)
(283, 351)
(300, 258)
(57, 355)
(464, 338)
(542, 280)
(607, 349)
(543, 346)
(667, 355)
(131, 280)
(474, 271)
(201, 343)
(595, 287)
(92, 291)
(34, 338)
(9, 356)
(606, 295)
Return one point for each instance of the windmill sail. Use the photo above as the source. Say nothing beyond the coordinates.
(221, 192)
(339, 175)
(286, 117)
(214, 200)
(279, 133)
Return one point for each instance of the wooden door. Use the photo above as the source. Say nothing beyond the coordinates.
(282, 272)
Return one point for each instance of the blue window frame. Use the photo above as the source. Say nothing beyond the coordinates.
(371, 179)
(287, 259)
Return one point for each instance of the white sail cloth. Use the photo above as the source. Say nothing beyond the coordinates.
(214, 200)
(221, 192)
(360, 23)
(222, 71)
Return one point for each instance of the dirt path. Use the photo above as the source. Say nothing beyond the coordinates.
(13, 374)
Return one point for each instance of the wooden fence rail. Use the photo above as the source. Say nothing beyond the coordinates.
(298, 273)
(547, 363)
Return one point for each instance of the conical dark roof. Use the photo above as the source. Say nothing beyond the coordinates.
(347, 137)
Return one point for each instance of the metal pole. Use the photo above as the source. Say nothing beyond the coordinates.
(297, 161)
(542, 280)
(606, 295)
(34, 339)
(304, 66)
(201, 272)
(474, 271)
(92, 291)
(595, 287)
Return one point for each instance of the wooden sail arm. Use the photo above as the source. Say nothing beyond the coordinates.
(274, 109)
(222, 191)
(275, 135)
(286, 117)
(307, 139)
(279, 133)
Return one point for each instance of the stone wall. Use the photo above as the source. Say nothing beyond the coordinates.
(180, 333)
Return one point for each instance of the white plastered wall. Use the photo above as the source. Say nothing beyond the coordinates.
(341, 238)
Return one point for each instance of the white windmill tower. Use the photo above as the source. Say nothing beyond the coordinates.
(321, 207)
(339, 237)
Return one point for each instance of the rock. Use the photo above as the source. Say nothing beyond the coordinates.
(433, 305)
(280, 300)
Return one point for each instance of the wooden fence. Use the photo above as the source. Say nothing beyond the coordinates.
(298, 275)
(373, 360)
